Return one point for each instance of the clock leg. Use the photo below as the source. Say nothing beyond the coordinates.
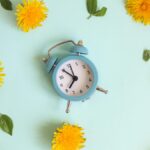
(102, 90)
(68, 106)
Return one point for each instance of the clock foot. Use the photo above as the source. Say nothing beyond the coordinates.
(102, 90)
(68, 106)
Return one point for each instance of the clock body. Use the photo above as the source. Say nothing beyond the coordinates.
(74, 77)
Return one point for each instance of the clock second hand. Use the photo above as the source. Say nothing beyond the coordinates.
(73, 77)
(71, 70)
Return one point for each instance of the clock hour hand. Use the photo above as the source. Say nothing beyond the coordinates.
(67, 72)
(71, 83)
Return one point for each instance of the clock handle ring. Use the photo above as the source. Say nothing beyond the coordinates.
(58, 44)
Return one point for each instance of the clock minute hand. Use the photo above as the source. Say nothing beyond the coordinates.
(67, 72)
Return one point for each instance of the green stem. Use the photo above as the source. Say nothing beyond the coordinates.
(89, 16)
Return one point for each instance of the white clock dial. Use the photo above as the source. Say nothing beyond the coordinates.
(74, 77)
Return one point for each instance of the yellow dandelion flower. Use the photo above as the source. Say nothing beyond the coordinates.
(30, 14)
(1, 74)
(68, 137)
(139, 10)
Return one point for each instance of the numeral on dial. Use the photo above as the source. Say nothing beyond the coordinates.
(61, 85)
(87, 86)
(68, 65)
(76, 63)
(90, 79)
(73, 92)
(66, 90)
(84, 66)
(88, 72)
(61, 77)
(81, 91)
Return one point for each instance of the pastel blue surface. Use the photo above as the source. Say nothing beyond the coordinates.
(92, 88)
(117, 121)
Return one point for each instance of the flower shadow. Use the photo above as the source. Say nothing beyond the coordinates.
(47, 130)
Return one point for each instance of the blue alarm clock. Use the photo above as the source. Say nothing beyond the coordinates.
(74, 77)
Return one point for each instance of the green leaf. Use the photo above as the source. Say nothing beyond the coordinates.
(146, 55)
(6, 124)
(91, 6)
(6, 4)
(101, 12)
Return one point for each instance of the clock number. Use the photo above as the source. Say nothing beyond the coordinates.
(61, 85)
(84, 66)
(68, 65)
(90, 79)
(66, 90)
(88, 72)
(81, 91)
(73, 92)
(76, 63)
(87, 86)
(61, 77)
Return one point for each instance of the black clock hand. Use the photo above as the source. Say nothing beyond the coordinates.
(71, 83)
(71, 70)
(67, 72)
(75, 78)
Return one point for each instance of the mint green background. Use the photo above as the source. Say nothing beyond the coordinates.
(117, 121)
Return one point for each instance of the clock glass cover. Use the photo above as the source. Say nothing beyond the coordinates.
(74, 77)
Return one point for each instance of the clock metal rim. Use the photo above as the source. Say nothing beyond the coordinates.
(91, 90)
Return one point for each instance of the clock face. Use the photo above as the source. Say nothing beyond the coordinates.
(74, 77)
